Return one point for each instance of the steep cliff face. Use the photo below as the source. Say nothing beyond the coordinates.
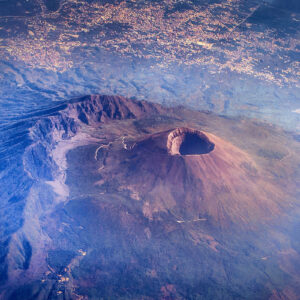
(32, 173)
(99, 109)
(107, 197)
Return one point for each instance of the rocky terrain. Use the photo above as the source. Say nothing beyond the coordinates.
(232, 57)
(106, 197)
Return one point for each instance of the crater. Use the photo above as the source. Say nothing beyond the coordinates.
(186, 141)
(193, 144)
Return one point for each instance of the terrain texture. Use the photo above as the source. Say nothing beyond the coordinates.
(105, 197)
(237, 57)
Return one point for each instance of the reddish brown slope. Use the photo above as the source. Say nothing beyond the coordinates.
(97, 108)
(194, 175)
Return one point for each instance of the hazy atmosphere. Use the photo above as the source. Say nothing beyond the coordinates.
(149, 149)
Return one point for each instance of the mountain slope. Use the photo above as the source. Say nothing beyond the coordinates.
(107, 197)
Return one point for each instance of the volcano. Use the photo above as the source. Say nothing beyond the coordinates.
(195, 175)
(113, 198)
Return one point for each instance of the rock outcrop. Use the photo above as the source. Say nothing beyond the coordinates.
(32, 177)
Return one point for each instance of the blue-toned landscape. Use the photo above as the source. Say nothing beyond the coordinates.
(149, 149)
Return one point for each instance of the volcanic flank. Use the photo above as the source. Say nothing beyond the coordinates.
(112, 198)
(193, 174)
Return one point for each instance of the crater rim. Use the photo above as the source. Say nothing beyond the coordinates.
(186, 141)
